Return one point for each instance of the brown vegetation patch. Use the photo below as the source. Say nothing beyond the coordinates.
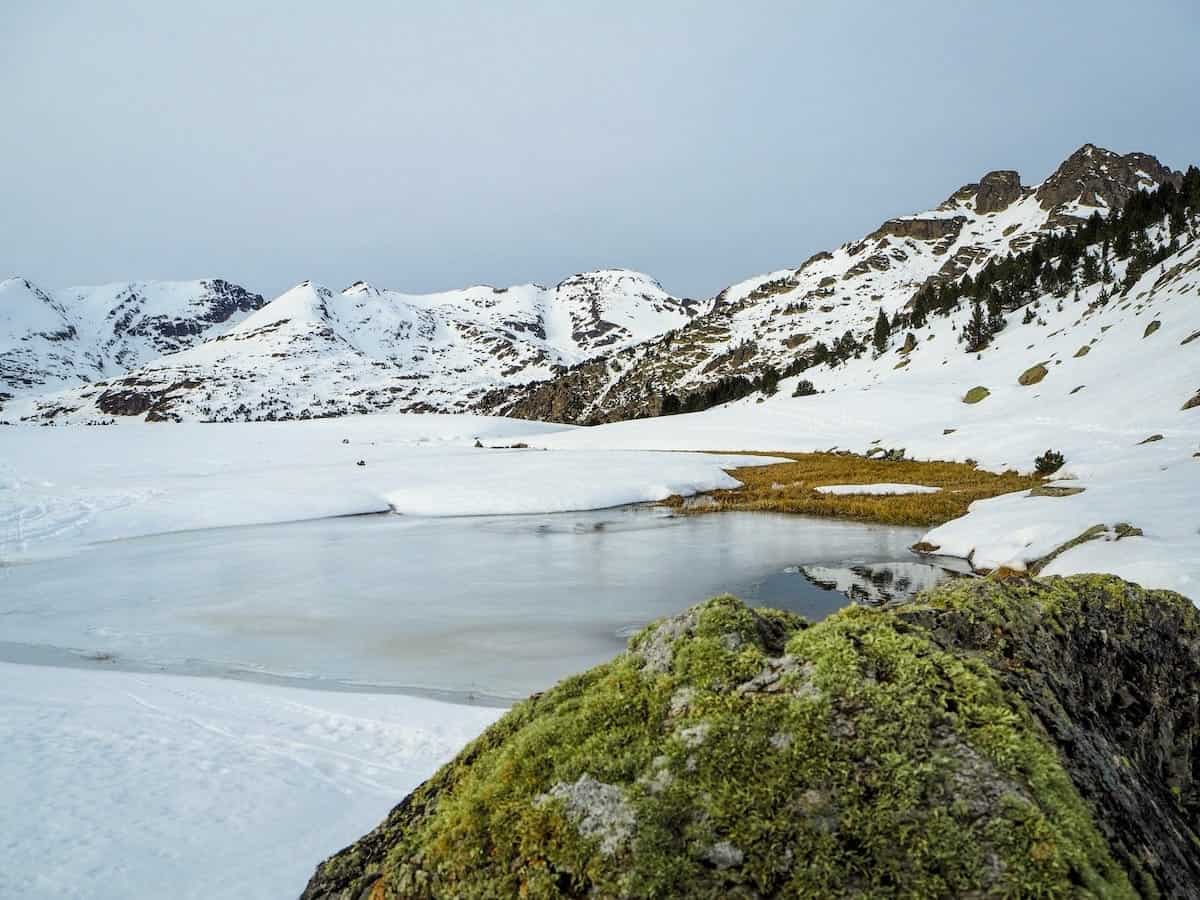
(790, 487)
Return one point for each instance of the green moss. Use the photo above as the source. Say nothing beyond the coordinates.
(975, 394)
(754, 754)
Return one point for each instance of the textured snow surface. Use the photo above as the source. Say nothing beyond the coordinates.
(73, 484)
(877, 489)
(120, 785)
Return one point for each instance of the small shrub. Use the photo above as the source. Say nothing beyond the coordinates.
(1048, 463)
(804, 388)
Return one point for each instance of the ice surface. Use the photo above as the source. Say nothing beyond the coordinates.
(497, 606)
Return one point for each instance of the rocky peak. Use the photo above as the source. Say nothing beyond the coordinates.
(1094, 176)
(997, 190)
(993, 192)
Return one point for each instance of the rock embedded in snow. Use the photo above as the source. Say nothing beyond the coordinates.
(1032, 375)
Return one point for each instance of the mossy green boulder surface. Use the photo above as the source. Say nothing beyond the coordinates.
(1028, 738)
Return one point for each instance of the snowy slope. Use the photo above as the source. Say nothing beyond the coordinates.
(772, 319)
(312, 353)
(77, 335)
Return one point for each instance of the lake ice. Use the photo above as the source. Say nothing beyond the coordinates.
(486, 607)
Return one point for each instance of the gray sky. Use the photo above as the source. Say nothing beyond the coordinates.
(433, 145)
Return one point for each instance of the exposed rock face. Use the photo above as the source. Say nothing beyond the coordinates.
(985, 739)
(1098, 177)
(919, 229)
(997, 191)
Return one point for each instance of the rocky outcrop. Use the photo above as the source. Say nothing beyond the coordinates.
(1098, 177)
(997, 191)
(994, 192)
(921, 229)
(987, 739)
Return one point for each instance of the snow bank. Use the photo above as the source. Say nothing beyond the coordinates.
(199, 787)
(69, 485)
(877, 489)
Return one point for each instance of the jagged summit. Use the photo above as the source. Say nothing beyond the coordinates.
(51, 340)
(1095, 177)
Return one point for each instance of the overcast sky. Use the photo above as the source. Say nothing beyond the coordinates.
(433, 145)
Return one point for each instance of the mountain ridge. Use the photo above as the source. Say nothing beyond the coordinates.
(598, 346)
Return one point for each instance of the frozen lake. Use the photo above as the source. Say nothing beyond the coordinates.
(489, 608)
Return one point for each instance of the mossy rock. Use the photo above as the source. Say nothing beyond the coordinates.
(1032, 375)
(1193, 403)
(1151, 328)
(908, 752)
(1083, 351)
(976, 394)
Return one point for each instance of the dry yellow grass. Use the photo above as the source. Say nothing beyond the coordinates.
(790, 487)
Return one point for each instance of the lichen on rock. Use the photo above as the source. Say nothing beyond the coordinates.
(989, 739)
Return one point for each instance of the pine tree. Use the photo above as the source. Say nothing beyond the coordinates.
(1091, 271)
(883, 329)
(920, 310)
(977, 334)
(995, 320)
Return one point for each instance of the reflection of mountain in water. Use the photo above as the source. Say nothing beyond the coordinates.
(876, 583)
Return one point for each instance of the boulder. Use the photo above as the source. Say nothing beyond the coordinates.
(987, 738)
(1032, 375)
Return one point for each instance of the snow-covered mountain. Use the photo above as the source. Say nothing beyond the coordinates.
(77, 335)
(599, 346)
(772, 320)
(311, 352)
